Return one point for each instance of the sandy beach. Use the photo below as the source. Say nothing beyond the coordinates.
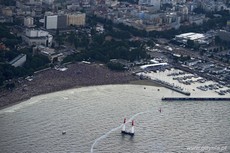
(77, 75)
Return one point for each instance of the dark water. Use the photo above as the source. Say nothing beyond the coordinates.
(92, 118)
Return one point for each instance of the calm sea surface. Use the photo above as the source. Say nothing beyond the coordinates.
(92, 117)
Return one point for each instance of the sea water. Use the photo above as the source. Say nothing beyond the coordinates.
(92, 118)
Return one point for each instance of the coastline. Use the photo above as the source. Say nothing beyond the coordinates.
(77, 75)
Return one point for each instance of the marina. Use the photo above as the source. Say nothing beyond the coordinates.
(185, 83)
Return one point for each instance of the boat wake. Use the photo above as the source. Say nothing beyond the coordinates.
(115, 129)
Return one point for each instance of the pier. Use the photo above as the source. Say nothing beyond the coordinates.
(165, 84)
(172, 87)
(195, 99)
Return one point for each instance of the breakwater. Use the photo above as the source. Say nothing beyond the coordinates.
(195, 99)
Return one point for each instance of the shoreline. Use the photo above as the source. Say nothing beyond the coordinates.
(76, 76)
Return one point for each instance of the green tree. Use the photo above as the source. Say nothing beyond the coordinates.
(115, 66)
(2, 78)
(36, 62)
(71, 38)
(99, 39)
(190, 43)
(10, 86)
(217, 40)
(8, 2)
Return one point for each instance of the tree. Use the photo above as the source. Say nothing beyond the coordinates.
(8, 2)
(99, 39)
(199, 10)
(115, 66)
(217, 40)
(59, 39)
(10, 86)
(83, 42)
(71, 38)
(190, 43)
(10, 55)
(2, 78)
(36, 62)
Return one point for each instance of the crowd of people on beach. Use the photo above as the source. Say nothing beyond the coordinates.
(77, 75)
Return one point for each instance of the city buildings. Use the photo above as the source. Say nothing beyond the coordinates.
(55, 21)
(51, 21)
(49, 52)
(154, 3)
(195, 37)
(224, 35)
(28, 21)
(37, 37)
(7, 11)
(18, 61)
(49, 2)
(77, 19)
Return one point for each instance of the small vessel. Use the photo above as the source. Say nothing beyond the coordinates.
(160, 110)
(63, 132)
(123, 130)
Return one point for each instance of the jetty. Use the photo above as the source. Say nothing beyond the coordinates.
(195, 99)
(172, 87)
(165, 84)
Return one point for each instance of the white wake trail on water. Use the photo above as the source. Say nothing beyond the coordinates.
(115, 129)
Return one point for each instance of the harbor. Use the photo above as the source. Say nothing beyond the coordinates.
(182, 82)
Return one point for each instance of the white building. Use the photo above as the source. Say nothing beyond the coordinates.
(49, 2)
(196, 19)
(36, 33)
(37, 37)
(34, 2)
(111, 3)
(211, 6)
(28, 21)
(196, 37)
(51, 21)
(50, 53)
(100, 28)
(156, 4)
(224, 35)
(183, 9)
(55, 21)
(18, 61)
(173, 2)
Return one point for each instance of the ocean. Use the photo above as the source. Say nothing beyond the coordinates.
(92, 118)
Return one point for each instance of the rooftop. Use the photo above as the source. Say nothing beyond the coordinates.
(17, 58)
